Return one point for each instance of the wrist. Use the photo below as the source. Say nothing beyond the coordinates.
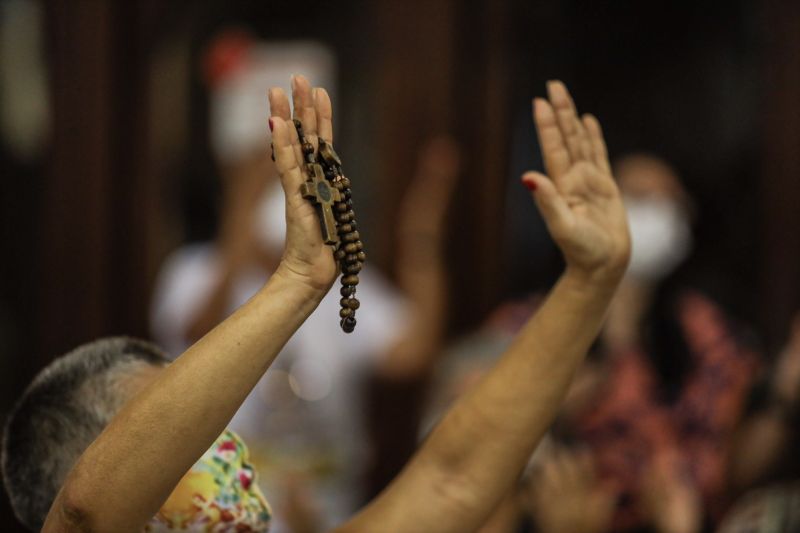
(603, 279)
(305, 287)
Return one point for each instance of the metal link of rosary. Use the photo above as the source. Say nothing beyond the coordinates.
(337, 219)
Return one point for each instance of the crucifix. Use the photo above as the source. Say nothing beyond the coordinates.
(323, 196)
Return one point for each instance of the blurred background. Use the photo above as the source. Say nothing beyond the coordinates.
(109, 113)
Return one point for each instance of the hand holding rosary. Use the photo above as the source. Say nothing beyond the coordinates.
(328, 190)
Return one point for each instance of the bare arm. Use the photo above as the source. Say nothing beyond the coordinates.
(124, 477)
(243, 185)
(479, 449)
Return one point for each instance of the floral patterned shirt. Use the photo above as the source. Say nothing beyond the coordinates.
(219, 494)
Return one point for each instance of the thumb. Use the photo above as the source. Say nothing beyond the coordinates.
(553, 208)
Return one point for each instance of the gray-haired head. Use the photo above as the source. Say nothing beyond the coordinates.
(62, 411)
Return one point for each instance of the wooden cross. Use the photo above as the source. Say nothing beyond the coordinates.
(323, 196)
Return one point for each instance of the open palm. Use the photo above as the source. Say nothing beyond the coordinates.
(579, 199)
(306, 255)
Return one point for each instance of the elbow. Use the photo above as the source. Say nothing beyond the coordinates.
(68, 516)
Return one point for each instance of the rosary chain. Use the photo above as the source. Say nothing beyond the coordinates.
(349, 252)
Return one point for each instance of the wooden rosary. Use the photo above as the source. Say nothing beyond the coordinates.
(329, 190)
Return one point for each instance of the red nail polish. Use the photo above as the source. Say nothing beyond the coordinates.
(270, 124)
(529, 184)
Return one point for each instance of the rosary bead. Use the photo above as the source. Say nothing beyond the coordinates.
(345, 181)
(344, 217)
(349, 203)
(353, 268)
(346, 228)
(351, 303)
(350, 258)
(348, 324)
(338, 185)
(351, 237)
(339, 254)
(345, 312)
(352, 279)
(361, 256)
(351, 247)
(342, 207)
(347, 291)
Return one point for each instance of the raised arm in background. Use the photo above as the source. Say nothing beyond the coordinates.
(478, 450)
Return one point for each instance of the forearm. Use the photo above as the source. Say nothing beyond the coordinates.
(123, 478)
(425, 286)
(500, 421)
(482, 444)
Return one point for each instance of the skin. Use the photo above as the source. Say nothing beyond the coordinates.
(244, 183)
(471, 460)
(566, 496)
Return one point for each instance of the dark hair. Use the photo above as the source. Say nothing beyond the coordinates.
(59, 415)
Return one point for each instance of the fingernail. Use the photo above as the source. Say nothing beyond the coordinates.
(294, 82)
(271, 125)
(529, 184)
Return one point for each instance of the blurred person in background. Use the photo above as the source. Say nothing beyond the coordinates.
(673, 373)
(304, 422)
(656, 406)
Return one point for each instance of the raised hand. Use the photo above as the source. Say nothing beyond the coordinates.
(306, 256)
(421, 269)
(670, 498)
(567, 497)
(579, 200)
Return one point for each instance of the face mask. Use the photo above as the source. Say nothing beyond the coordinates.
(660, 235)
(270, 219)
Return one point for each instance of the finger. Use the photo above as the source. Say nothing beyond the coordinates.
(585, 463)
(554, 209)
(567, 117)
(571, 471)
(554, 150)
(279, 104)
(551, 477)
(324, 112)
(279, 107)
(304, 108)
(572, 128)
(286, 161)
(598, 143)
